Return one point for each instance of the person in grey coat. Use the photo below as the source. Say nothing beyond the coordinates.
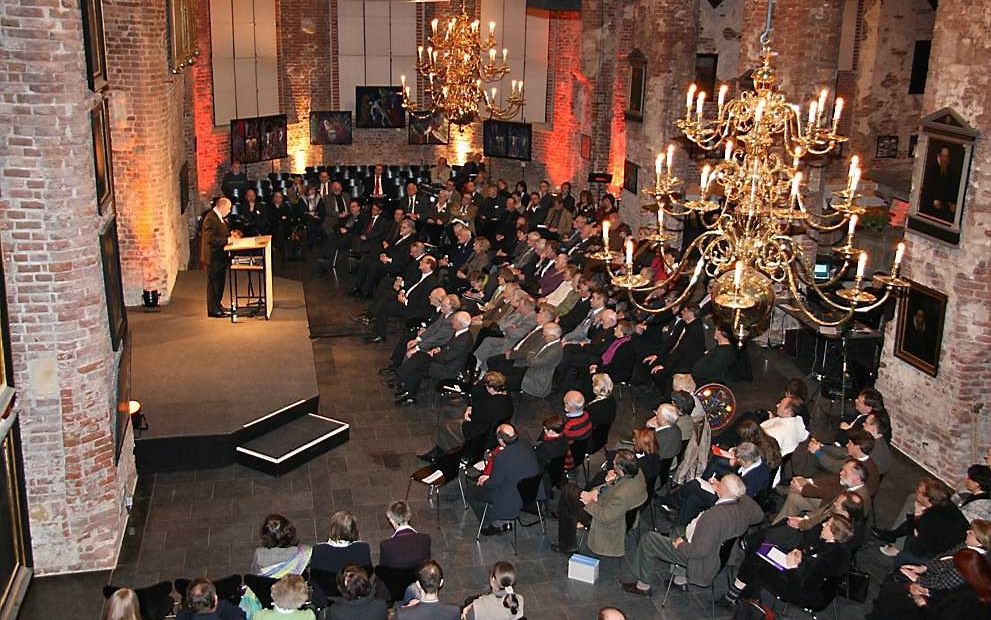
(665, 425)
(694, 554)
(538, 379)
(514, 327)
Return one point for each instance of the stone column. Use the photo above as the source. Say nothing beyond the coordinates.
(942, 422)
(63, 365)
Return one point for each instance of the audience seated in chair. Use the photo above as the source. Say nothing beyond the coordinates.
(427, 604)
(289, 594)
(511, 461)
(203, 603)
(406, 548)
(502, 600)
(357, 599)
(342, 547)
(665, 427)
(443, 362)
(490, 405)
(280, 552)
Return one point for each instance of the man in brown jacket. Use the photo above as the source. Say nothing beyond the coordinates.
(214, 236)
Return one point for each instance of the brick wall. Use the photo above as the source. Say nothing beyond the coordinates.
(49, 228)
(942, 422)
(149, 145)
(883, 106)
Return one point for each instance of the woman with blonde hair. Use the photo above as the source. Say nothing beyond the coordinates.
(122, 605)
(602, 408)
(288, 595)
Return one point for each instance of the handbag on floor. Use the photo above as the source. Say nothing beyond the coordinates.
(855, 585)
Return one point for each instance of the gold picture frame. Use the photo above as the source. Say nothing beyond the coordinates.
(181, 26)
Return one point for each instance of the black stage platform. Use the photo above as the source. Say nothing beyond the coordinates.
(207, 385)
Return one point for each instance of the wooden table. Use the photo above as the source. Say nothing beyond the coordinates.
(251, 255)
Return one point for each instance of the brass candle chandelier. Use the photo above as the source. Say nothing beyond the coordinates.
(749, 200)
(456, 67)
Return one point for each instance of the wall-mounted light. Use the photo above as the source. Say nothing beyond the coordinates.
(138, 420)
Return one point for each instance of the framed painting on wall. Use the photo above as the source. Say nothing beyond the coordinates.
(113, 283)
(181, 29)
(331, 127)
(631, 174)
(433, 129)
(638, 85)
(493, 139)
(886, 147)
(273, 136)
(379, 107)
(94, 42)
(245, 146)
(920, 327)
(939, 190)
(102, 156)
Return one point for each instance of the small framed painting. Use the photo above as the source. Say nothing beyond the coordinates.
(631, 174)
(102, 156)
(920, 327)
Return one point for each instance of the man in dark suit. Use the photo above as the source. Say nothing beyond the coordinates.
(490, 212)
(235, 182)
(415, 205)
(335, 205)
(490, 405)
(429, 581)
(513, 460)
(373, 267)
(213, 258)
(444, 362)
(406, 548)
(371, 231)
(687, 345)
(714, 366)
(437, 331)
(375, 184)
(411, 302)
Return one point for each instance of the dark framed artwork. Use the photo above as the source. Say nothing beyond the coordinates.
(113, 283)
(184, 187)
(95, 44)
(886, 147)
(705, 73)
(273, 134)
(181, 30)
(331, 127)
(493, 138)
(122, 416)
(379, 107)
(433, 129)
(245, 146)
(920, 327)
(586, 147)
(638, 85)
(631, 177)
(519, 141)
(102, 156)
(939, 187)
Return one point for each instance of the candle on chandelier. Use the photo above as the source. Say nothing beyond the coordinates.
(759, 112)
(854, 181)
(605, 234)
(402, 80)
(899, 253)
(491, 28)
(823, 95)
(670, 159)
(837, 112)
(852, 226)
(492, 55)
(738, 275)
(474, 26)
(796, 183)
(658, 169)
(812, 113)
(521, 87)
(699, 105)
(706, 173)
(689, 100)
(729, 150)
(433, 25)
(798, 157)
(660, 219)
(505, 54)
(722, 97)
(494, 91)
(629, 252)
(861, 265)
(419, 53)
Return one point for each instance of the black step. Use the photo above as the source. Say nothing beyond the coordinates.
(292, 444)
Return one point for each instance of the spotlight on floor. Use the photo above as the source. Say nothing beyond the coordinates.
(149, 300)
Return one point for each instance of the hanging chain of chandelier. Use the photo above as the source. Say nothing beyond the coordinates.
(456, 68)
(750, 201)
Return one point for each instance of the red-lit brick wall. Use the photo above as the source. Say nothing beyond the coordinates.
(148, 122)
(63, 365)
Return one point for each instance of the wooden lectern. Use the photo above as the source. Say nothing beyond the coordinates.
(251, 256)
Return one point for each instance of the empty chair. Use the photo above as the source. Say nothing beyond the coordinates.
(435, 476)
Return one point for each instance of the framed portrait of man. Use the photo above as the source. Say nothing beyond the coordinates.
(920, 328)
(939, 183)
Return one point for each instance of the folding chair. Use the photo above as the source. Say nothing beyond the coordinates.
(528, 488)
(435, 476)
(725, 550)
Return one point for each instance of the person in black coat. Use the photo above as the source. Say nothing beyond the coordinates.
(490, 405)
(714, 366)
(805, 572)
(553, 444)
(444, 362)
(935, 526)
(357, 600)
(342, 547)
(214, 236)
(513, 460)
(394, 258)
(371, 230)
(411, 302)
(406, 548)
(687, 346)
(602, 408)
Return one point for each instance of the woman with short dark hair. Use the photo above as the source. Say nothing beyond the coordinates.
(280, 552)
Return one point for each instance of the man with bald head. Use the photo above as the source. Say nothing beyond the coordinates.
(214, 236)
(443, 362)
(512, 460)
(578, 356)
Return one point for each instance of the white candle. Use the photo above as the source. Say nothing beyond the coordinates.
(670, 159)
(629, 251)
(492, 55)
(837, 111)
(798, 156)
(491, 28)
(690, 99)
(759, 113)
(658, 169)
(660, 219)
(494, 91)
(861, 265)
(812, 112)
(605, 234)
(706, 171)
(796, 183)
(700, 103)
(419, 53)
(402, 79)
(521, 87)
(854, 181)
(823, 95)
(854, 164)
(722, 96)
(899, 253)
(433, 25)
(853, 225)
(729, 150)
(738, 276)
(505, 54)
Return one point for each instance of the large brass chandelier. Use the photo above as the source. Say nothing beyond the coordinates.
(750, 200)
(456, 67)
